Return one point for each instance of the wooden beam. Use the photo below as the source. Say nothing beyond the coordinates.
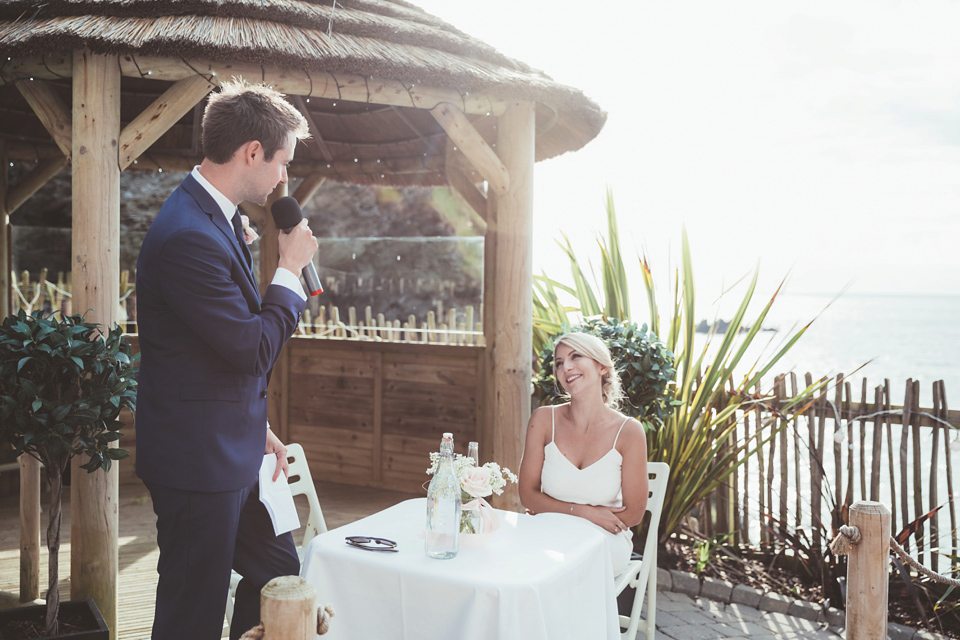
(473, 146)
(318, 148)
(510, 342)
(315, 84)
(51, 110)
(29, 528)
(31, 183)
(464, 186)
(156, 119)
(96, 287)
(269, 262)
(5, 262)
(308, 188)
(343, 169)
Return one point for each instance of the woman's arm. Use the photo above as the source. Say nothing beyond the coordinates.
(538, 436)
(634, 480)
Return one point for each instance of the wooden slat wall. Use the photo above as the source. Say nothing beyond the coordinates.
(370, 413)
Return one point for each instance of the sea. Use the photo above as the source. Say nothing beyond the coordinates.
(872, 336)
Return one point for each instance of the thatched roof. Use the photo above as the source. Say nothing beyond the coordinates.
(376, 39)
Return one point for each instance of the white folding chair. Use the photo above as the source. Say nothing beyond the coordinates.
(642, 574)
(301, 484)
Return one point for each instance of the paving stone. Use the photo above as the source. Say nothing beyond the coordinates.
(922, 634)
(693, 632)
(746, 595)
(899, 632)
(744, 612)
(806, 610)
(716, 589)
(782, 623)
(774, 603)
(667, 619)
(664, 579)
(685, 582)
(675, 605)
(836, 617)
(750, 628)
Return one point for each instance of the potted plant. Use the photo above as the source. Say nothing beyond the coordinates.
(62, 387)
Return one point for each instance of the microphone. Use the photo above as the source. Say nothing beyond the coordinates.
(286, 215)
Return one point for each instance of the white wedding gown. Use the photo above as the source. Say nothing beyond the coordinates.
(597, 484)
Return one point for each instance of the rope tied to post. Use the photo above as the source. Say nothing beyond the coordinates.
(849, 537)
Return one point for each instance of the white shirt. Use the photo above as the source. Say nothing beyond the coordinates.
(281, 277)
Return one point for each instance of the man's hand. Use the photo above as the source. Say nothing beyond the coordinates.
(276, 447)
(297, 248)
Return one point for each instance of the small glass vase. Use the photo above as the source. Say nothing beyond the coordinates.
(469, 518)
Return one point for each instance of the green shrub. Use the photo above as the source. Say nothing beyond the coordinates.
(643, 361)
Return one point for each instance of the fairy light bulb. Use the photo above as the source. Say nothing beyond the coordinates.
(955, 445)
(838, 436)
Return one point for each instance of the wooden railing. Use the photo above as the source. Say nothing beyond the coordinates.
(455, 327)
(843, 449)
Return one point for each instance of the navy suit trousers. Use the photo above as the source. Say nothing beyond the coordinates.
(201, 537)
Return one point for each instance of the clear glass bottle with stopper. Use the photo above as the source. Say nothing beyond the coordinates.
(443, 506)
(470, 518)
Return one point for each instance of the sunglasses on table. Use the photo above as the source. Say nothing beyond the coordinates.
(370, 543)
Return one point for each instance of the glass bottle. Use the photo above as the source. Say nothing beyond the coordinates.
(470, 518)
(443, 506)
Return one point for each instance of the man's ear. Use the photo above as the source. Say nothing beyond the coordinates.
(252, 151)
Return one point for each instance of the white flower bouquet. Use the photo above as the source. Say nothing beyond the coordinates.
(476, 483)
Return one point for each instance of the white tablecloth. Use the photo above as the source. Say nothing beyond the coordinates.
(545, 577)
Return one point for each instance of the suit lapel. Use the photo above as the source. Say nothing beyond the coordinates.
(210, 207)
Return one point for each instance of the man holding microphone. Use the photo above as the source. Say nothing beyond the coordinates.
(208, 342)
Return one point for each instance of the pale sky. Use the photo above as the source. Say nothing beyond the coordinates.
(816, 139)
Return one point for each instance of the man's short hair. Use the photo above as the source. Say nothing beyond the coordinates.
(241, 112)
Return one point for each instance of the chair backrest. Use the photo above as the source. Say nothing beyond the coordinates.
(659, 473)
(301, 483)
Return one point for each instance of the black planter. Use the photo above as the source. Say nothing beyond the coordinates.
(85, 613)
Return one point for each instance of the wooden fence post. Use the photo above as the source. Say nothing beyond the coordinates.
(867, 572)
(288, 607)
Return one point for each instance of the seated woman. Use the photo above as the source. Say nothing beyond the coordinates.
(584, 457)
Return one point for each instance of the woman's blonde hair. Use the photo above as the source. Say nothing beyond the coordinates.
(595, 349)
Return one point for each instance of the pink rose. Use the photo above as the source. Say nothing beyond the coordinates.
(476, 481)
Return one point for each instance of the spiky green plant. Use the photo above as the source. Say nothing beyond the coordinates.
(713, 383)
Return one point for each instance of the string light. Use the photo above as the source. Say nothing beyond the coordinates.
(838, 436)
(955, 445)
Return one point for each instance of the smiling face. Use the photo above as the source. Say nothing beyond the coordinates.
(575, 371)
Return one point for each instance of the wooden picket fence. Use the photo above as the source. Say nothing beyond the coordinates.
(31, 294)
(842, 449)
(441, 326)
(455, 327)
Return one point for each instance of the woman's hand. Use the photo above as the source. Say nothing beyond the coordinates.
(605, 517)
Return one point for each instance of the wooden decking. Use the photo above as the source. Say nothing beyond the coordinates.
(138, 549)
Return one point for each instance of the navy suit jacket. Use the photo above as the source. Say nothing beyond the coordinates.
(207, 343)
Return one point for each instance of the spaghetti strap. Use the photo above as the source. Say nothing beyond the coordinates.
(553, 422)
(618, 432)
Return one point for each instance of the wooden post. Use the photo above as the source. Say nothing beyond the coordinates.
(867, 568)
(288, 608)
(269, 260)
(96, 289)
(29, 528)
(508, 323)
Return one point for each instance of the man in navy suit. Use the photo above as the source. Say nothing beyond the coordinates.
(208, 342)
